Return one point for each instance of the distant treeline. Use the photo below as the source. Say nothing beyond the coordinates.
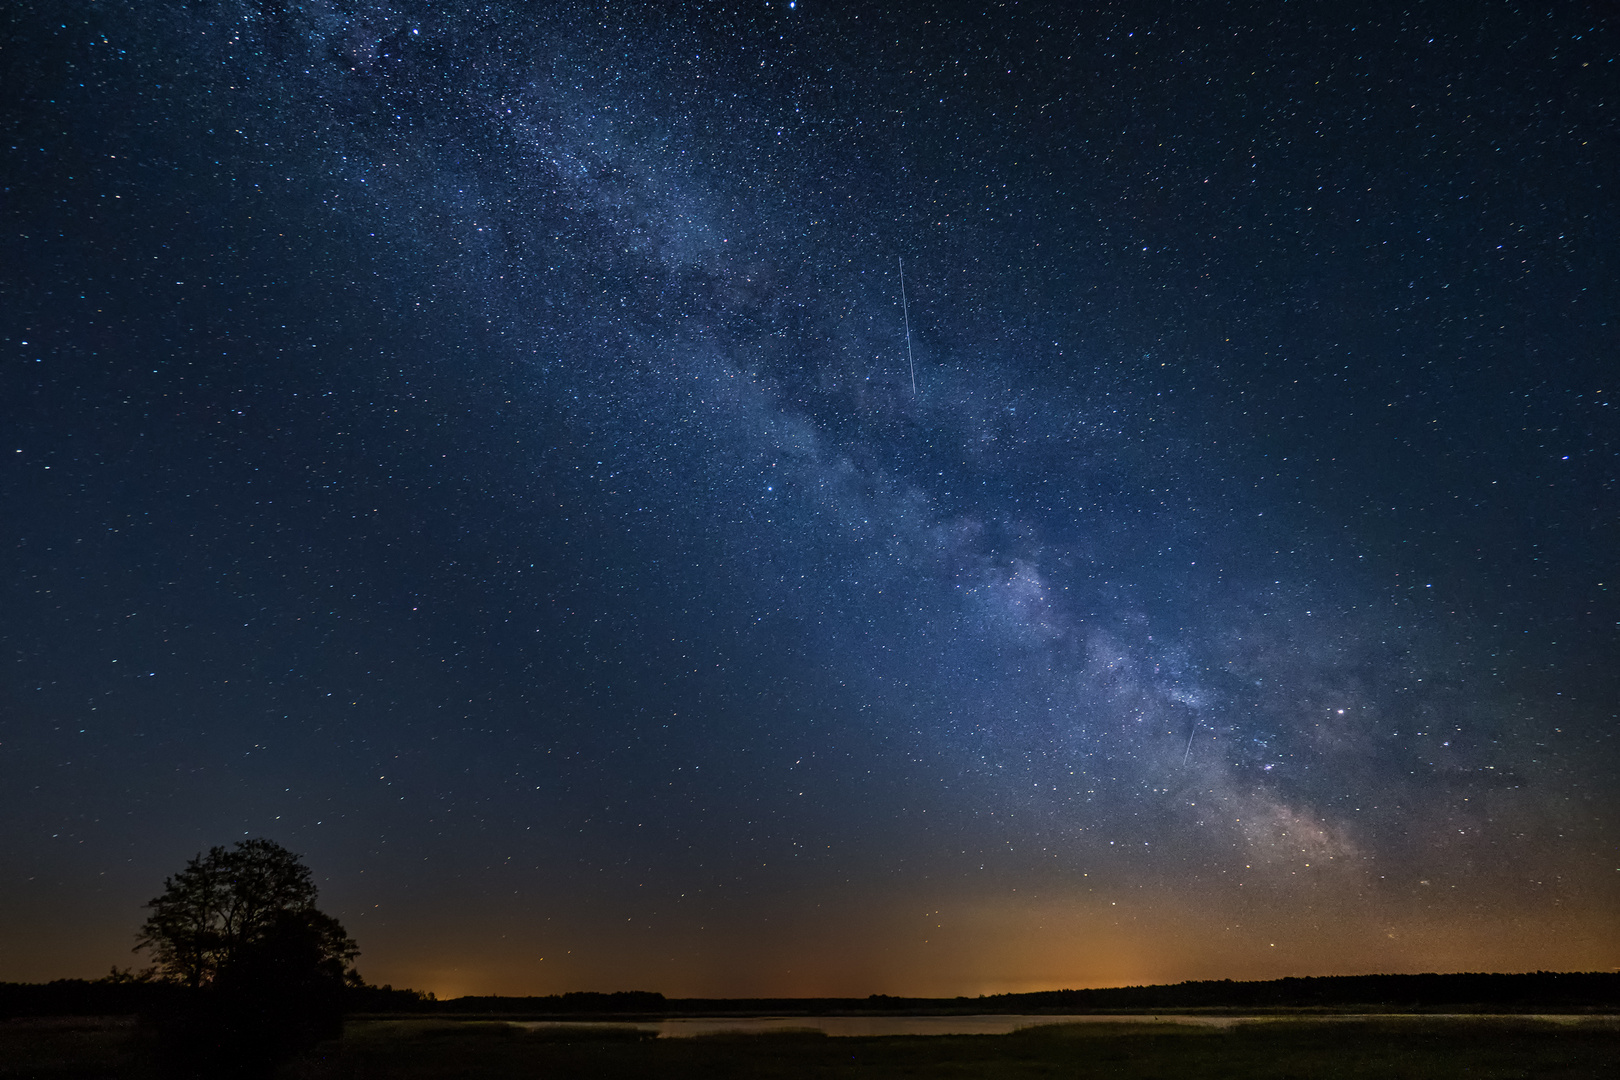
(620, 1003)
(80, 997)
(1533, 990)
(124, 996)
(1541, 990)
(1536, 990)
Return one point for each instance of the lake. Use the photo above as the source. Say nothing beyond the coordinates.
(991, 1024)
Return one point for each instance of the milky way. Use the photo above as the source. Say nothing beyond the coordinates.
(480, 451)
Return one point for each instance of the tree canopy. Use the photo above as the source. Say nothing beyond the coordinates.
(233, 904)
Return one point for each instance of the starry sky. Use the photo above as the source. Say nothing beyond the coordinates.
(479, 447)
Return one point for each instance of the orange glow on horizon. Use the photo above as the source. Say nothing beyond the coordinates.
(993, 946)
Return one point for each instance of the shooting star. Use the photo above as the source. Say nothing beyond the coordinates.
(905, 311)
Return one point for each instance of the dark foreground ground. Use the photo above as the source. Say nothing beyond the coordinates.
(1475, 1047)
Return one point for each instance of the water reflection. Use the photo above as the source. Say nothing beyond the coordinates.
(686, 1027)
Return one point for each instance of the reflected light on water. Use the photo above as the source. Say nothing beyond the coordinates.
(854, 1026)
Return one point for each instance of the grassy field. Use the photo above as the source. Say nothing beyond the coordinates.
(1487, 1048)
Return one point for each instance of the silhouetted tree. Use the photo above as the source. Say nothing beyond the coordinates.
(264, 970)
(224, 901)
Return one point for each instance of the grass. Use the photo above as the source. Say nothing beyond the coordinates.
(1392, 1048)
(67, 1047)
(1388, 1049)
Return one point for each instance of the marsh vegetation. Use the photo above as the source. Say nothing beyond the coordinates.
(1404, 1048)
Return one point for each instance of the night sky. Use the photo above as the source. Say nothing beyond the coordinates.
(475, 446)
